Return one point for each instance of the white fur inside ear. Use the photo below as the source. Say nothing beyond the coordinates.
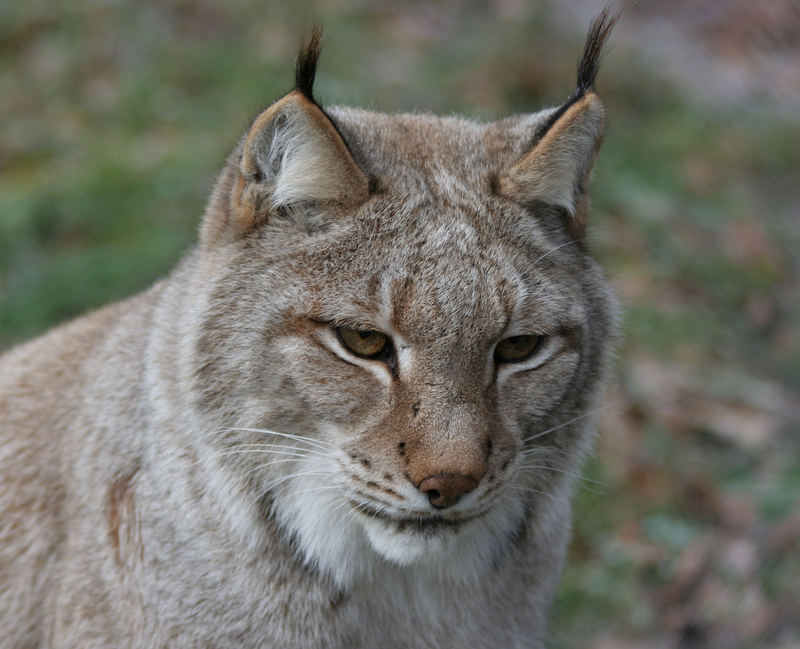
(299, 157)
(306, 169)
(557, 169)
(554, 184)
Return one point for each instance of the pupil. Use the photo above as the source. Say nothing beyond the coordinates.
(364, 334)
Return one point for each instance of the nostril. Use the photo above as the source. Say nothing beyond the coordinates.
(445, 489)
(433, 495)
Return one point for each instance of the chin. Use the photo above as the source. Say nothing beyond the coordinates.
(407, 542)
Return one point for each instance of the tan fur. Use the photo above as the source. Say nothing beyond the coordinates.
(206, 465)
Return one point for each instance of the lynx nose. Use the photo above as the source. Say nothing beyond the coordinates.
(444, 489)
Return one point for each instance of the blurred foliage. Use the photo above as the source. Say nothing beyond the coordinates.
(118, 114)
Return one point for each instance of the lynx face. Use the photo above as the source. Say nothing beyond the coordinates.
(385, 374)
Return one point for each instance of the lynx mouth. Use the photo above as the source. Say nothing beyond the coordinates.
(421, 524)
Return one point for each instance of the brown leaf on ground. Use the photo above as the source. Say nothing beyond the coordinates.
(742, 410)
(785, 536)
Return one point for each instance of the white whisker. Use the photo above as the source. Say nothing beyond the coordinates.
(284, 478)
(261, 467)
(342, 505)
(256, 451)
(306, 452)
(583, 480)
(569, 473)
(318, 446)
(572, 421)
(538, 259)
(539, 450)
(313, 489)
(535, 491)
(321, 444)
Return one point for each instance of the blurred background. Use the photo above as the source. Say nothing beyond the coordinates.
(117, 115)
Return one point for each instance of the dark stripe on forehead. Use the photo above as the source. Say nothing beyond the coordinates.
(401, 295)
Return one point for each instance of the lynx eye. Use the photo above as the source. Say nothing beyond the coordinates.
(517, 348)
(362, 342)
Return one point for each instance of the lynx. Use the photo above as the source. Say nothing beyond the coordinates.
(350, 418)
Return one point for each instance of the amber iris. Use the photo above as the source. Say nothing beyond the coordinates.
(517, 348)
(361, 342)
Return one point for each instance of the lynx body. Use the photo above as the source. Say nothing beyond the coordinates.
(351, 417)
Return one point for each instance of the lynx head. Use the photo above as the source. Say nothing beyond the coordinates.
(399, 332)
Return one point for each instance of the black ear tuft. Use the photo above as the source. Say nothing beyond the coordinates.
(589, 65)
(306, 68)
(592, 52)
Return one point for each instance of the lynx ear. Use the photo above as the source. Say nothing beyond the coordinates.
(557, 168)
(294, 155)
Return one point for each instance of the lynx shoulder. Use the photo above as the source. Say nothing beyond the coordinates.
(350, 417)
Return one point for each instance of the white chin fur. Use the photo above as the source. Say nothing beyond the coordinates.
(350, 547)
(403, 548)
